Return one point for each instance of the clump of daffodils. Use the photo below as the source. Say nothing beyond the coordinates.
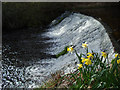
(87, 60)
(92, 69)
(89, 57)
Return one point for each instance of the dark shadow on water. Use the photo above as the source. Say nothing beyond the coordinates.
(25, 48)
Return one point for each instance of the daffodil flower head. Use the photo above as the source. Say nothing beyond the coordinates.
(83, 60)
(85, 45)
(89, 55)
(70, 49)
(79, 66)
(117, 55)
(88, 62)
(104, 54)
(118, 61)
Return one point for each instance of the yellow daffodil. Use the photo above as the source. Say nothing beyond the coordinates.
(89, 55)
(83, 60)
(70, 49)
(104, 54)
(118, 61)
(85, 45)
(88, 62)
(79, 66)
(116, 55)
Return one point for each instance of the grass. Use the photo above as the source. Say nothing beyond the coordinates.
(59, 80)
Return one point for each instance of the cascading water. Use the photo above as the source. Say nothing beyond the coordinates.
(75, 29)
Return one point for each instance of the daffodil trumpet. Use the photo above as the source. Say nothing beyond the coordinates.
(85, 46)
(79, 66)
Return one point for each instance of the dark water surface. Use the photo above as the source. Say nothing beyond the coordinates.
(21, 49)
(26, 45)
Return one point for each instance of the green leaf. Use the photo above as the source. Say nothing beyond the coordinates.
(87, 50)
(82, 86)
(91, 80)
(62, 52)
(114, 65)
(96, 85)
(94, 75)
(79, 57)
(113, 61)
(102, 72)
